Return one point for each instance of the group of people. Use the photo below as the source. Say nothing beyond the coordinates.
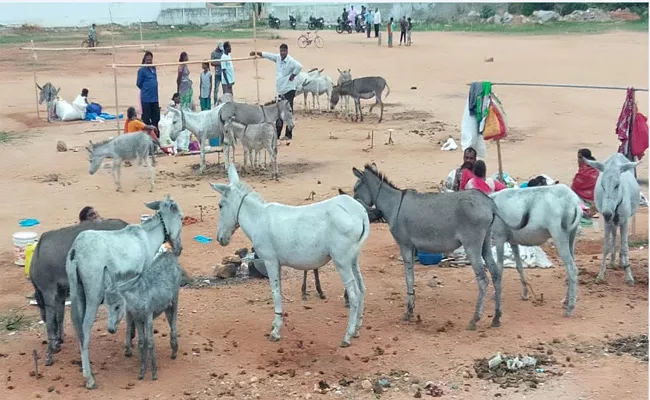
(373, 20)
(472, 175)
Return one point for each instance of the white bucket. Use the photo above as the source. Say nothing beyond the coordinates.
(21, 240)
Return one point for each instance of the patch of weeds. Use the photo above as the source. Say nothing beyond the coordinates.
(640, 242)
(7, 137)
(15, 321)
(275, 36)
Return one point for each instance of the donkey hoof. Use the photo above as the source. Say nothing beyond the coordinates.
(471, 326)
(600, 280)
(274, 338)
(345, 344)
(630, 282)
(356, 334)
(49, 361)
(496, 324)
(154, 376)
(568, 312)
(140, 376)
(407, 317)
(128, 353)
(90, 384)
(305, 297)
(322, 296)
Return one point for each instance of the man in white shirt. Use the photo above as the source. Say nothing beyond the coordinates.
(377, 21)
(286, 69)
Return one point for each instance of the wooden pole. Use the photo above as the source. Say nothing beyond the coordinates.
(500, 161)
(257, 77)
(121, 46)
(117, 106)
(141, 44)
(34, 58)
(174, 64)
(630, 129)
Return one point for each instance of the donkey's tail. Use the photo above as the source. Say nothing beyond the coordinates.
(366, 229)
(522, 224)
(387, 87)
(77, 295)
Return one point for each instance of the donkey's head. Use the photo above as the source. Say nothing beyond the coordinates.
(94, 159)
(286, 115)
(335, 96)
(368, 184)
(610, 185)
(173, 121)
(114, 301)
(171, 216)
(232, 198)
(344, 76)
(47, 93)
(229, 135)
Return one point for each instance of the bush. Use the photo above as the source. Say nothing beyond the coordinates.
(488, 11)
(527, 9)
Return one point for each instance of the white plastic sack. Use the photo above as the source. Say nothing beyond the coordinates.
(165, 128)
(531, 256)
(469, 136)
(449, 145)
(183, 141)
(69, 112)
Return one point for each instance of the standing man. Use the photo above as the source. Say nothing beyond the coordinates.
(227, 69)
(286, 69)
(369, 20)
(216, 55)
(377, 21)
(352, 18)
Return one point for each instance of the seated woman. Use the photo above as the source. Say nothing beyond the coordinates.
(480, 182)
(584, 181)
(133, 124)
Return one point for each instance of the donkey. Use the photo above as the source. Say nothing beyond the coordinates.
(142, 299)
(304, 238)
(47, 273)
(317, 85)
(344, 76)
(436, 223)
(127, 147)
(362, 88)
(617, 198)
(255, 137)
(49, 95)
(125, 253)
(554, 212)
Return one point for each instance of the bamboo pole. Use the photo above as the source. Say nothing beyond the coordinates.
(500, 161)
(117, 106)
(120, 46)
(257, 76)
(141, 44)
(34, 58)
(562, 85)
(173, 64)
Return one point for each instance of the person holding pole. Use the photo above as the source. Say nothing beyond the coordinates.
(216, 55)
(286, 69)
(147, 82)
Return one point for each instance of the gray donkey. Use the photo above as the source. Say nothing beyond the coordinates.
(47, 273)
(125, 147)
(125, 253)
(437, 223)
(554, 213)
(361, 88)
(142, 299)
(617, 198)
(48, 94)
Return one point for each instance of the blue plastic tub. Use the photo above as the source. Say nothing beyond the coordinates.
(214, 142)
(429, 258)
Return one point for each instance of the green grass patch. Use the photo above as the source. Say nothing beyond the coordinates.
(167, 33)
(15, 321)
(555, 28)
(641, 242)
(7, 137)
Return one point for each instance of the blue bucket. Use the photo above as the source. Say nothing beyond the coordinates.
(214, 142)
(430, 258)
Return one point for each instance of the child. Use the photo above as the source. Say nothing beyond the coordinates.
(206, 87)
(408, 31)
(390, 27)
(176, 100)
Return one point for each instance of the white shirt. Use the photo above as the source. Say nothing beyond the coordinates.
(283, 69)
(227, 70)
(377, 17)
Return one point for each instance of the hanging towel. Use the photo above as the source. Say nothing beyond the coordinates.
(639, 141)
(474, 89)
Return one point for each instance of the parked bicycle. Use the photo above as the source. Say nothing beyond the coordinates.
(86, 43)
(306, 39)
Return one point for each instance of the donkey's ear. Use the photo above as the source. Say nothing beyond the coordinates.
(349, 70)
(154, 205)
(341, 191)
(219, 187)
(39, 87)
(233, 177)
(595, 164)
(629, 166)
(58, 90)
(357, 173)
(340, 72)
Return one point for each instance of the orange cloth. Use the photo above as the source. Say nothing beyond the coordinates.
(133, 125)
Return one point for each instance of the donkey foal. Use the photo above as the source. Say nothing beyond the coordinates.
(142, 300)
(255, 137)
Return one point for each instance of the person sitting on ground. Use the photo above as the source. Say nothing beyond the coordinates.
(82, 98)
(539, 180)
(133, 124)
(464, 172)
(176, 101)
(480, 182)
(88, 214)
(584, 181)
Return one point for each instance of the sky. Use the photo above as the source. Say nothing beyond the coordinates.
(60, 14)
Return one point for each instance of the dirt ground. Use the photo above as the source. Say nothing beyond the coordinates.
(223, 348)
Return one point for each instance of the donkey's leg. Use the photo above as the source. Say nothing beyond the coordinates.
(361, 287)
(474, 254)
(152, 174)
(304, 94)
(496, 274)
(344, 265)
(612, 264)
(601, 275)
(142, 347)
(273, 271)
(172, 316)
(381, 114)
(562, 240)
(408, 254)
(128, 339)
(88, 320)
(304, 286)
(151, 347)
(59, 306)
(52, 332)
(202, 162)
(625, 253)
(520, 268)
(116, 174)
(318, 288)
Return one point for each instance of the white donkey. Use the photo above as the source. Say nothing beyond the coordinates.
(344, 76)
(125, 253)
(553, 212)
(617, 198)
(304, 238)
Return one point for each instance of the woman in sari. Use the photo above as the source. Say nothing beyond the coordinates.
(184, 83)
(480, 182)
(584, 182)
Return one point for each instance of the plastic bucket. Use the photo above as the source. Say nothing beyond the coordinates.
(430, 258)
(21, 240)
(214, 142)
(29, 252)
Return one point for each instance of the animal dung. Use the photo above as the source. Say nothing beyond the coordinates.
(489, 59)
(414, 88)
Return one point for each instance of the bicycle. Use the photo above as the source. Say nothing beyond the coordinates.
(306, 39)
(86, 43)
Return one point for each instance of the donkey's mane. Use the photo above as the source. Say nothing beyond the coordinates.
(103, 142)
(270, 103)
(243, 187)
(373, 170)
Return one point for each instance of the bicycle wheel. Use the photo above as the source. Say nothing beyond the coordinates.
(84, 43)
(319, 42)
(303, 41)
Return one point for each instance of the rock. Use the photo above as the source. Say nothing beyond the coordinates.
(226, 271)
(366, 384)
(231, 260)
(506, 18)
(241, 253)
(489, 59)
(254, 379)
(473, 16)
(543, 16)
(308, 396)
(61, 147)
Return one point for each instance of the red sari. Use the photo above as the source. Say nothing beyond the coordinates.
(584, 182)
